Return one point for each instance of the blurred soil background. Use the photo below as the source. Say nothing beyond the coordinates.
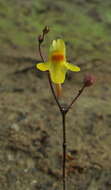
(30, 123)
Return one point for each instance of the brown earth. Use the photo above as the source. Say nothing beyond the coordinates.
(31, 130)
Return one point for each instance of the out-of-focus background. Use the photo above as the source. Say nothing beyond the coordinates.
(30, 123)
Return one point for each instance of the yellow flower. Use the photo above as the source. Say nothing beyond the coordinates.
(57, 64)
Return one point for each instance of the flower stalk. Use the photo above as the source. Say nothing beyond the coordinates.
(88, 80)
(64, 147)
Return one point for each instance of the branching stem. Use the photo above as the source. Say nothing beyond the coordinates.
(63, 111)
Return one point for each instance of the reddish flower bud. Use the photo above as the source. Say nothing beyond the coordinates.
(40, 38)
(89, 80)
(46, 30)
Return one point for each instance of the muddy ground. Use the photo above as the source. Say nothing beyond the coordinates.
(30, 122)
(31, 130)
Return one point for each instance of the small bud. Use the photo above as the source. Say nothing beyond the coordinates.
(40, 38)
(46, 30)
(89, 80)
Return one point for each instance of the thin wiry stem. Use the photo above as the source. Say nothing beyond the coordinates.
(53, 92)
(62, 109)
(64, 149)
(50, 83)
(63, 114)
(75, 98)
(40, 52)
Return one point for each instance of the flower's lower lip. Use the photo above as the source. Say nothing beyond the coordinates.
(57, 57)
